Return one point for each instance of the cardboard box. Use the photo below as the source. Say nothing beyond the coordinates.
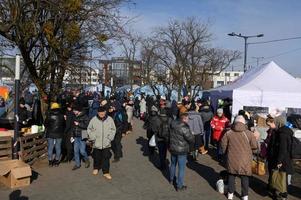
(7, 133)
(15, 173)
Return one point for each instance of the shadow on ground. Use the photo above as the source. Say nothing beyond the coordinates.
(16, 195)
(153, 156)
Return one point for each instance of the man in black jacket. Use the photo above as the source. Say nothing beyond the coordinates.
(80, 125)
(180, 140)
(55, 125)
(67, 152)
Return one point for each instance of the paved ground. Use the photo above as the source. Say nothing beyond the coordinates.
(135, 177)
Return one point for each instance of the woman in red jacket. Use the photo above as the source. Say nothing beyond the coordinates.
(218, 125)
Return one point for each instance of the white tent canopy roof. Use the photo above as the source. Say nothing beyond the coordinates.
(266, 86)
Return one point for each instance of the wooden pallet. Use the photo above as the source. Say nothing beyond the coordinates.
(33, 147)
(6, 150)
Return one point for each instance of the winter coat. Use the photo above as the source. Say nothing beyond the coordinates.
(94, 109)
(23, 116)
(218, 124)
(142, 105)
(70, 117)
(180, 138)
(120, 120)
(207, 116)
(55, 124)
(129, 111)
(238, 144)
(101, 131)
(195, 123)
(279, 149)
(83, 121)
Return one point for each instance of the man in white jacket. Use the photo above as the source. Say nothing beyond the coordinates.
(101, 130)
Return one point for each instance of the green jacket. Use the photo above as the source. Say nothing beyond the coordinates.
(101, 132)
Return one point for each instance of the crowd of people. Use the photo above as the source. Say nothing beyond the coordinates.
(82, 124)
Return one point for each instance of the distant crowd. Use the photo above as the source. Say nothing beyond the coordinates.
(80, 124)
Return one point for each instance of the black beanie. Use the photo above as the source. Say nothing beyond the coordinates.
(102, 109)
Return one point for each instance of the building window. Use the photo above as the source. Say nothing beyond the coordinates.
(220, 83)
(236, 74)
(227, 74)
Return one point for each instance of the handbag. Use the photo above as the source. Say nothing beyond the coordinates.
(152, 141)
(258, 167)
(279, 182)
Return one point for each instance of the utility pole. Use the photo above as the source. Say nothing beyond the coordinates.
(245, 37)
(258, 59)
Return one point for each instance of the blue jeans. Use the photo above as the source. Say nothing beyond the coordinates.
(79, 149)
(179, 160)
(207, 138)
(57, 144)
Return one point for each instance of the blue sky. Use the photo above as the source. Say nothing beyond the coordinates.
(276, 19)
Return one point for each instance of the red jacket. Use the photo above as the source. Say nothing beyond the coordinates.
(218, 124)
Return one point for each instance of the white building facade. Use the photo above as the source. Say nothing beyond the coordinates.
(225, 77)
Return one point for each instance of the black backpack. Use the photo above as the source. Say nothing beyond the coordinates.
(296, 148)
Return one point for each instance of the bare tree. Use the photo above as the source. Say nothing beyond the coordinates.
(53, 35)
(129, 43)
(183, 47)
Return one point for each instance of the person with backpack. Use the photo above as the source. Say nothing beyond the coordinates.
(119, 117)
(162, 136)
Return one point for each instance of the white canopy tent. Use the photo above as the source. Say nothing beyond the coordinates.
(267, 86)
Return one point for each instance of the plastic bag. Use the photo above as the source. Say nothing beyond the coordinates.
(279, 181)
(152, 141)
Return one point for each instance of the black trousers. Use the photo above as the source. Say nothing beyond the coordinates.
(101, 159)
(244, 184)
(117, 146)
(67, 147)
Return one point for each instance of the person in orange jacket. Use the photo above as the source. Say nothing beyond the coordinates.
(218, 125)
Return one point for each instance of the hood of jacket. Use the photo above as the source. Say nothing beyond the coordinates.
(239, 127)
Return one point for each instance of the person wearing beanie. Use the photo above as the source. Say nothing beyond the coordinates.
(207, 115)
(80, 125)
(238, 144)
(218, 124)
(55, 127)
(279, 150)
(102, 130)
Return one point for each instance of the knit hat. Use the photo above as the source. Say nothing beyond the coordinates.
(22, 101)
(54, 106)
(220, 111)
(240, 119)
(102, 109)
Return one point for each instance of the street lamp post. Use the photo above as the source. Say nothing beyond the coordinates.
(17, 97)
(245, 37)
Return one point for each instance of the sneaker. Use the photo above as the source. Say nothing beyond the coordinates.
(95, 172)
(107, 176)
(56, 163)
(181, 189)
(230, 196)
(245, 198)
(50, 163)
(87, 163)
(75, 167)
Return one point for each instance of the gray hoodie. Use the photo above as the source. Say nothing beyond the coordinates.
(195, 123)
